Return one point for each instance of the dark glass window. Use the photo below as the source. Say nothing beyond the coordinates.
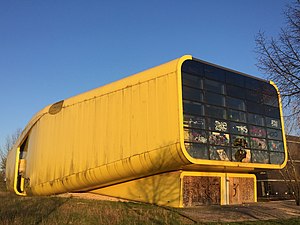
(217, 125)
(237, 116)
(258, 143)
(192, 81)
(193, 67)
(235, 103)
(193, 121)
(256, 119)
(276, 146)
(253, 107)
(214, 86)
(276, 158)
(234, 79)
(241, 155)
(235, 91)
(257, 131)
(194, 135)
(219, 153)
(192, 94)
(197, 151)
(238, 128)
(272, 111)
(214, 73)
(217, 138)
(215, 111)
(274, 134)
(270, 100)
(253, 96)
(273, 123)
(252, 83)
(260, 156)
(193, 108)
(214, 99)
(240, 141)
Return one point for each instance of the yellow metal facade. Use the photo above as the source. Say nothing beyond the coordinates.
(124, 131)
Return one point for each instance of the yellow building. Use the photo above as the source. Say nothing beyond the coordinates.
(180, 134)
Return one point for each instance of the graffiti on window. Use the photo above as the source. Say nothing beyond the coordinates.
(220, 126)
(217, 138)
(195, 136)
(218, 153)
(274, 134)
(240, 141)
(241, 155)
(275, 146)
(193, 121)
(257, 131)
(258, 143)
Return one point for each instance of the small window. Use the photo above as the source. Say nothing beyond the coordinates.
(192, 81)
(257, 131)
(193, 108)
(238, 128)
(214, 86)
(237, 116)
(214, 73)
(270, 100)
(235, 103)
(192, 94)
(197, 151)
(219, 153)
(260, 156)
(253, 107)
(217, 138)
(276, 146)
(273, 123)
(193, 67)
(216, 112)
(217, 125)
(254, 96)
(193, 135)
(274, 134)
(240, 141)
(276, 157)
(193, 121)
(214, 99)
(258, 143)
(234, 91)
(235, 79)
(256, 119)
(272, 111)
(253, 83)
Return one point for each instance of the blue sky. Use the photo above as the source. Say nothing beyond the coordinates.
(54, 49)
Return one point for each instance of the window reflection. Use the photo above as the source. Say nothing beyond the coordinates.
(193, 108)
(214, 99)
(214, 86)
(260, 156)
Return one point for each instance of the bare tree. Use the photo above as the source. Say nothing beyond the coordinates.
(279, 59)
(10, 140)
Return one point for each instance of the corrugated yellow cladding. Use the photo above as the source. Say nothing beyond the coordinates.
(118, 132)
